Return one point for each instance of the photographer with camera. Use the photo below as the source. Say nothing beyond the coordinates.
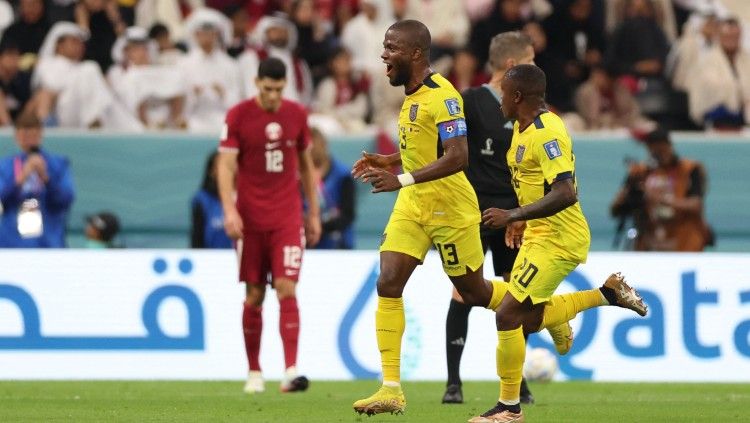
(36, 191)
(664, 197)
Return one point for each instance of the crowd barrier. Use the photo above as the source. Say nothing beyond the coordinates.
(149, 179)
(175, 314)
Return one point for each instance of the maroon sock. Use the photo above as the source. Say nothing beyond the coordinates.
(252, 327)
(289, 328)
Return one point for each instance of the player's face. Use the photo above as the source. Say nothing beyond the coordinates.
(269, 92)
(397, 58)
(509, 104)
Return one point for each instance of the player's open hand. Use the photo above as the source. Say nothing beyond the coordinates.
(369, 161)
(313, 229)
(514, 234)
(233, 224)
(496, 218)
(381, 180)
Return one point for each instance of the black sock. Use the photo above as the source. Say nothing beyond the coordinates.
(524, 388)
(456, 327)
(609, 295)
(515, 408)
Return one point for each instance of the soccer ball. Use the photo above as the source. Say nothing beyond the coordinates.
(540, 365)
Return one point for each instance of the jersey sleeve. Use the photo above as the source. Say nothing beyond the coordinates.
(555, 156)
(229, 140)
(448, 113)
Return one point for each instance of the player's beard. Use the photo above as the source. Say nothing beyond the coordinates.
(400, 76)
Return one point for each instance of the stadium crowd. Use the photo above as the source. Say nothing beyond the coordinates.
(135, 65)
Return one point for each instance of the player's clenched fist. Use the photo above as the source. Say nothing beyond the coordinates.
(233, 224)
(496, 218)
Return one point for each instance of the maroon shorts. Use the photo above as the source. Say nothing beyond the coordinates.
(276, 254)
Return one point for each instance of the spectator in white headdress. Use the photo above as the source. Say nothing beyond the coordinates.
(277, 37)
(212, 76)
(154, 93)
(73, 93)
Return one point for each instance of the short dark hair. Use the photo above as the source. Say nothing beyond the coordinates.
(272, 68)
(28, 120)
(157, 30)
(658, 136)
(418, 35)
(530, 80)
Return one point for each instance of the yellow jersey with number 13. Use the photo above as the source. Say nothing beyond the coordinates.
(539, 156)
(429, 116)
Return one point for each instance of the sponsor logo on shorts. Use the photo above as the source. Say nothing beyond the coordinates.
(382, 239)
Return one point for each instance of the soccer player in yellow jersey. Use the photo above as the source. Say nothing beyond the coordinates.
(555, 239)
(436, 204)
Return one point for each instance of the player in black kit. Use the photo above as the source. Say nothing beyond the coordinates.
(489, 136)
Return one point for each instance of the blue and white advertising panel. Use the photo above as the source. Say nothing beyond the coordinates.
(176, 314)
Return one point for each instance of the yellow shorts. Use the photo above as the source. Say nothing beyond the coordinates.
(459, 248)
(537, 272)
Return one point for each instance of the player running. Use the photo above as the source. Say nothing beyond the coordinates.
(436, 204)
(489, 137)
(556, 238)
(264, 146)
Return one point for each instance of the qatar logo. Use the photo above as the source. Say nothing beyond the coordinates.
(273, 131)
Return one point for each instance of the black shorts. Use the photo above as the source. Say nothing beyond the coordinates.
(494, 239)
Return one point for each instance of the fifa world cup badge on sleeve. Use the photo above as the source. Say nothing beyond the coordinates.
(552, 149)
(453, 107)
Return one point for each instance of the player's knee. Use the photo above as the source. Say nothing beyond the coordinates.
(472, 298)
(254, 295)
(284, 288)
(388, 284)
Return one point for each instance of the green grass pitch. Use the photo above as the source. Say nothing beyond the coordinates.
(331, 402)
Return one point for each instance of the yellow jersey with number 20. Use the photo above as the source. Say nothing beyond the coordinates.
(429, 116)
(539, 156)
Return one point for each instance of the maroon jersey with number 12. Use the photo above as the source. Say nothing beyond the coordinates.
(268, 194)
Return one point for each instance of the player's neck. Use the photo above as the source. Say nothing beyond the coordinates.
(267, 108)
(497, 78)
(527, 115)
(416, 79)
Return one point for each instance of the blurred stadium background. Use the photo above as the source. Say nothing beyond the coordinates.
(157, 310)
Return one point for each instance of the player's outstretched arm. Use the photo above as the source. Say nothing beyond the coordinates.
(454, 159)
(374, 161)
(561, 196)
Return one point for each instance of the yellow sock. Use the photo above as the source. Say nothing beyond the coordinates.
(499, 289)
(562, 308)
(511, 351)
(389, 328)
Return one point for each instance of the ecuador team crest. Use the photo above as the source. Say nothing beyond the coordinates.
(519, 153)
(413, 112)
